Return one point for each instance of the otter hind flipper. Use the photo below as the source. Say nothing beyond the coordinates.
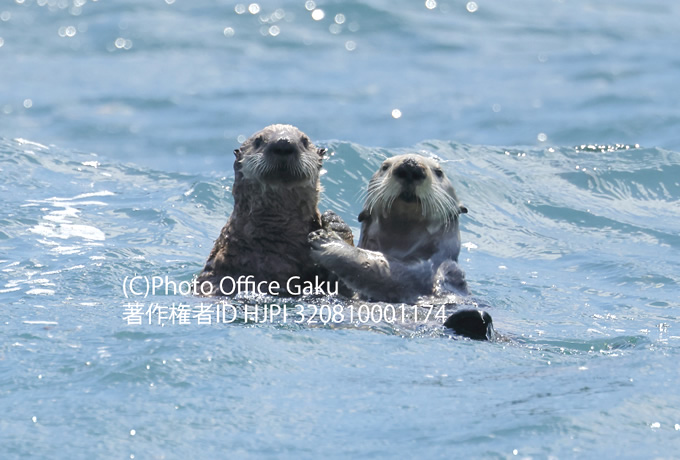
(474, 324)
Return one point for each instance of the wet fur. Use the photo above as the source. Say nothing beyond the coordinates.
(275, 209)
(410, 239)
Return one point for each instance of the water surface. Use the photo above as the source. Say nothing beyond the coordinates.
(556, 122)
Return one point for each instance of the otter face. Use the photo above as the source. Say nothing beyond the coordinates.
(279, 154)
(412, 185)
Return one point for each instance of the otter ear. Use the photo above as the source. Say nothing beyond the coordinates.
(321, 152)
(463, 209)
(364, 215)
(237, 161)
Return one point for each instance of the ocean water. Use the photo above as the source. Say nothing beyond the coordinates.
(557, 122)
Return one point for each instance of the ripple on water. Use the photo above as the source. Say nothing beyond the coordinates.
(579, 292)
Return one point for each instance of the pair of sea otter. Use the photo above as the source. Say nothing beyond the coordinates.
(409, 241)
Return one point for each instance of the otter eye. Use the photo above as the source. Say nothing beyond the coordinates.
(257, 143)
(305, 141)
(385, 167)
(439, 173)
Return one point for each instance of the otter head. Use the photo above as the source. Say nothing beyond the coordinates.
(412, 188)
(279, 154)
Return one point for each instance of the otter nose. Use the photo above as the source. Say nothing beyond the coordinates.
(282, 146)
(410, 171)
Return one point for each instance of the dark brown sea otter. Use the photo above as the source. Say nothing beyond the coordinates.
(276, 194)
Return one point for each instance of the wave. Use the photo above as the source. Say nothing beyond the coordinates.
(543, 224)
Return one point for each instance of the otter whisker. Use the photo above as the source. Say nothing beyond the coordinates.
(378, 194)
(450, 209)
(392, 190)
(364, 193)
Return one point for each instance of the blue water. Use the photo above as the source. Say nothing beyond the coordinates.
(557, 122)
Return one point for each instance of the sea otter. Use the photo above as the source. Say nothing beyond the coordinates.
(276, 194)
(409, 243)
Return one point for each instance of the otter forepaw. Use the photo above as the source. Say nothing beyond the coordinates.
(319, 238)
(451, 278)
(332, 222)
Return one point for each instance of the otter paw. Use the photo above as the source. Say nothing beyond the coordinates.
(450, 278)
(328, 218)
(319, 238)
(332, 222)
